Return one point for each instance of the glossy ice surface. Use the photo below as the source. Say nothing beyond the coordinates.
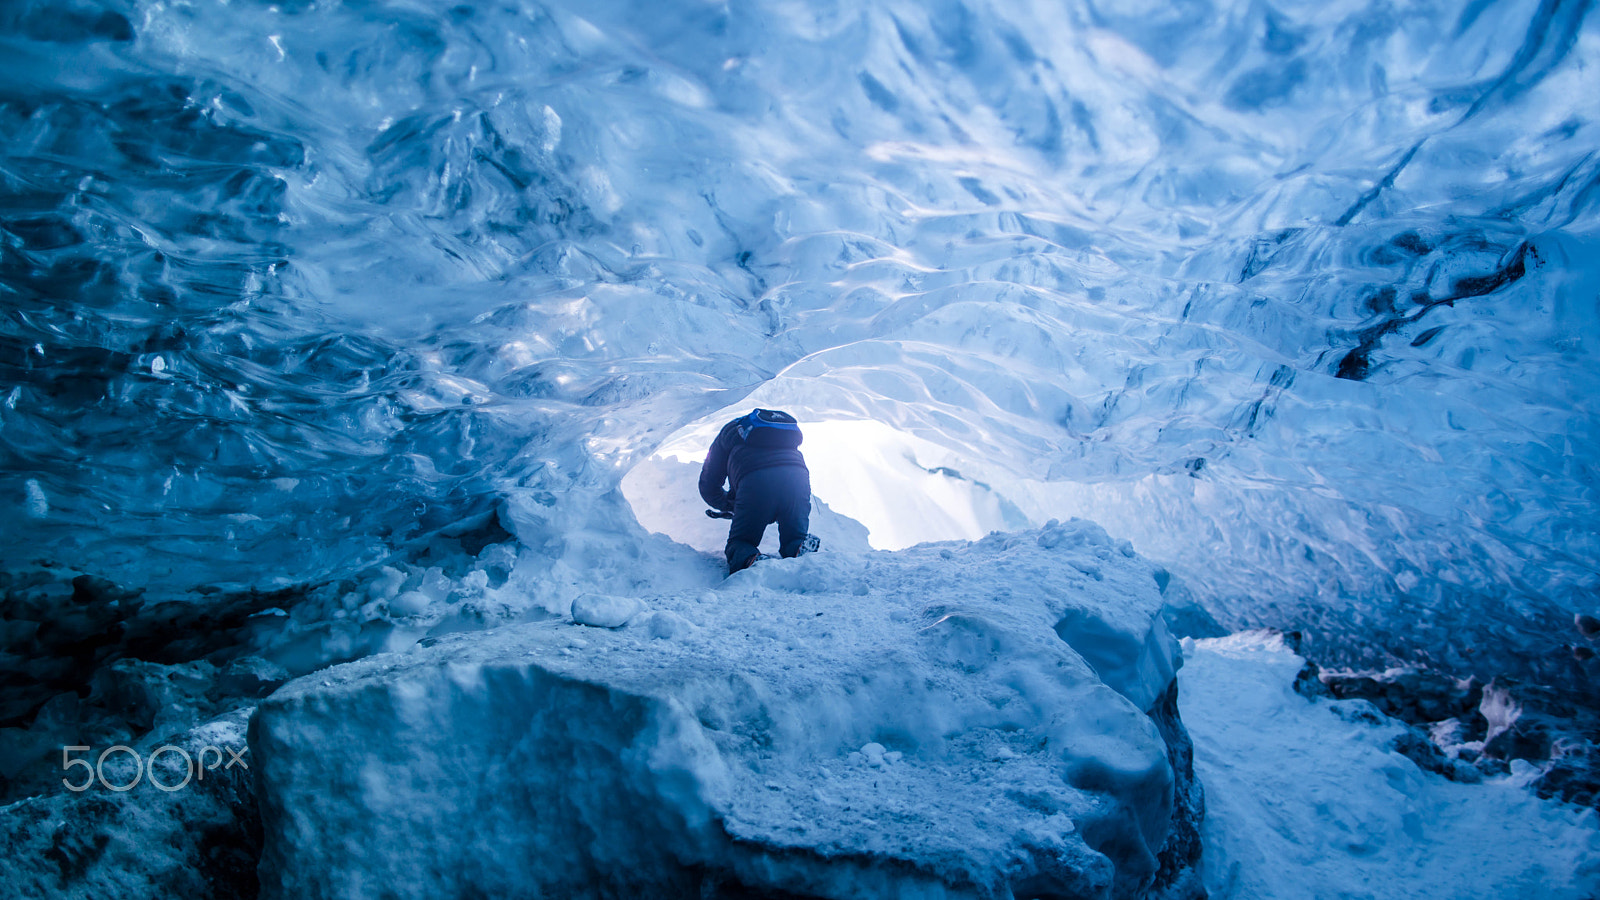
(1299, 298)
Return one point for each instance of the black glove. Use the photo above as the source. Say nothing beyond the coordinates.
(720, 513)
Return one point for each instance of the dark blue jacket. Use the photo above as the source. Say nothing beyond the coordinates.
(730, 459)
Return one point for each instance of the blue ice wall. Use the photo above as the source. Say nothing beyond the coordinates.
(1304, 295)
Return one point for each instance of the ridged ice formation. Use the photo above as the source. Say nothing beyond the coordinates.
(1302, 297)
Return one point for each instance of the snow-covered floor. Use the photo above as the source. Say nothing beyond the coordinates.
(1305, 800)
(952, 720)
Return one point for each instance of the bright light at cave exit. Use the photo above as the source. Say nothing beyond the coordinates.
(904, 489)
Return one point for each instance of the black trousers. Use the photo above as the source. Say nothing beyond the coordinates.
(780, 494)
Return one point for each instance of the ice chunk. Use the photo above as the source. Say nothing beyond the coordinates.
(604, 610)
(989, 758)
(251, 676)
(410, 603)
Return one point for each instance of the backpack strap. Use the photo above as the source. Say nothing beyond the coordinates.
(770, 425)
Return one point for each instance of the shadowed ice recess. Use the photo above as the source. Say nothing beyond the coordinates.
(1298, 298)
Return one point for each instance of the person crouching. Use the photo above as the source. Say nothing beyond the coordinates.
(758, 457)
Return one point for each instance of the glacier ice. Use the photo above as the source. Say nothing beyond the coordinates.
(328, 328)
(1298, 300)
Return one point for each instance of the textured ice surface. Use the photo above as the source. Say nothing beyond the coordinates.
(918, 724)
(197, 835)
(1310, 800)
(1300, 299)
(308, 309)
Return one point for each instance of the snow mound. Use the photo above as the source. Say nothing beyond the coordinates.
(907, 724)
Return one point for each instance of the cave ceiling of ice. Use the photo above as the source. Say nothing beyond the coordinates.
(1299, 297)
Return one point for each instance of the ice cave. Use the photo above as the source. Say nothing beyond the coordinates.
(1197, 397)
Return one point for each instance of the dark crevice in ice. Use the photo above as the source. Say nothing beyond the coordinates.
(1467, 730)
(1356, 365)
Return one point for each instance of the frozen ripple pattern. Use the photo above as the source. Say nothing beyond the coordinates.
(1303, 297)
